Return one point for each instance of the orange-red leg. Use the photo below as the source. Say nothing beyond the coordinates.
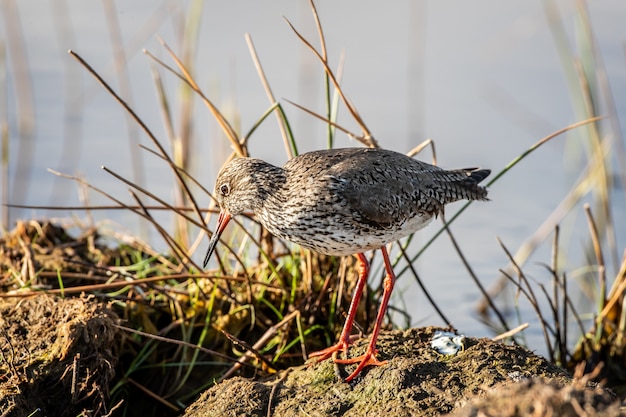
(344, 338)
(369, 357)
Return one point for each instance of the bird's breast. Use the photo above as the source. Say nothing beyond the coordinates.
(335, 232)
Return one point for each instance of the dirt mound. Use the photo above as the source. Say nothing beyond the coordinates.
(416, 381)
(538, 397)
(56, 356)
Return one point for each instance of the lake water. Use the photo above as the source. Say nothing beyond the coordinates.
(485, 80)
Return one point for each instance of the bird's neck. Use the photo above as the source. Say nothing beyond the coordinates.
(269, 183)
(271, 191)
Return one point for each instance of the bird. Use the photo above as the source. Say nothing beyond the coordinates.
(343, 202)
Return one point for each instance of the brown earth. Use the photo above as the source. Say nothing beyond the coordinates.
(57, 356)
(485, 379)
(58, 359)
(540, 397)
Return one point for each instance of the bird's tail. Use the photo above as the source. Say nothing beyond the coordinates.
(462, 184)
(471, 189)
(477, 174)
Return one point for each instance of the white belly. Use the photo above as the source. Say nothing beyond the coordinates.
(341, 240)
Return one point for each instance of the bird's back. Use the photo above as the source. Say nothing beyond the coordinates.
(343, 201)
(385, 185)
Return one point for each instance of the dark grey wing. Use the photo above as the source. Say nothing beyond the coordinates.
(374, 204)
(384, 188)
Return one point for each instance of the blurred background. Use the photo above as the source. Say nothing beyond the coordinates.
(484, 80)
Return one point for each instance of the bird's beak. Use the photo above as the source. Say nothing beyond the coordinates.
(222, 221)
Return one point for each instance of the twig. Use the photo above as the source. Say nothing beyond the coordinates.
(530, 296)
(176, 342)
(154, 395)
(140, 122)
(186, 77)
(266, 336)
(366, 138)
(273, 391)
(289, 147)
(429, 297)
(510, 333)
(597, 249)
(473, 275)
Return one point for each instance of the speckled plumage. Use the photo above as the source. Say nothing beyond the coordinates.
(343, 202)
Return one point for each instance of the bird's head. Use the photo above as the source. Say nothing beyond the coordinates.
(238, 188)
(237, 185)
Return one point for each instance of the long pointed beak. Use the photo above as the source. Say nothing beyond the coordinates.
(222, 221)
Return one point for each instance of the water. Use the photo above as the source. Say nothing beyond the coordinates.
(483, 79)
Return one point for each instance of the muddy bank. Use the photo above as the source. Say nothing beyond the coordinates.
(59, 359)
(58, 356)
(416, 381)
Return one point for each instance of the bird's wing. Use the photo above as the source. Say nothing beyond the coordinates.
(374, 204)
(384, 194)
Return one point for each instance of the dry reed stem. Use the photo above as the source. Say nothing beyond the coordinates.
(542, 232)
(269, 93)
(186, 77)
(510, 333)
(366, 138)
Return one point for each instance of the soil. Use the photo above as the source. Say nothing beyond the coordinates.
(484, 379)
(58, 359)
(57, 356)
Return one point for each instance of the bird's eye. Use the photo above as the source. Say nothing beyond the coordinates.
(225, 189)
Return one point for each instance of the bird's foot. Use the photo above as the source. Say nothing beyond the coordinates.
(367, 359)
(322, 355)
